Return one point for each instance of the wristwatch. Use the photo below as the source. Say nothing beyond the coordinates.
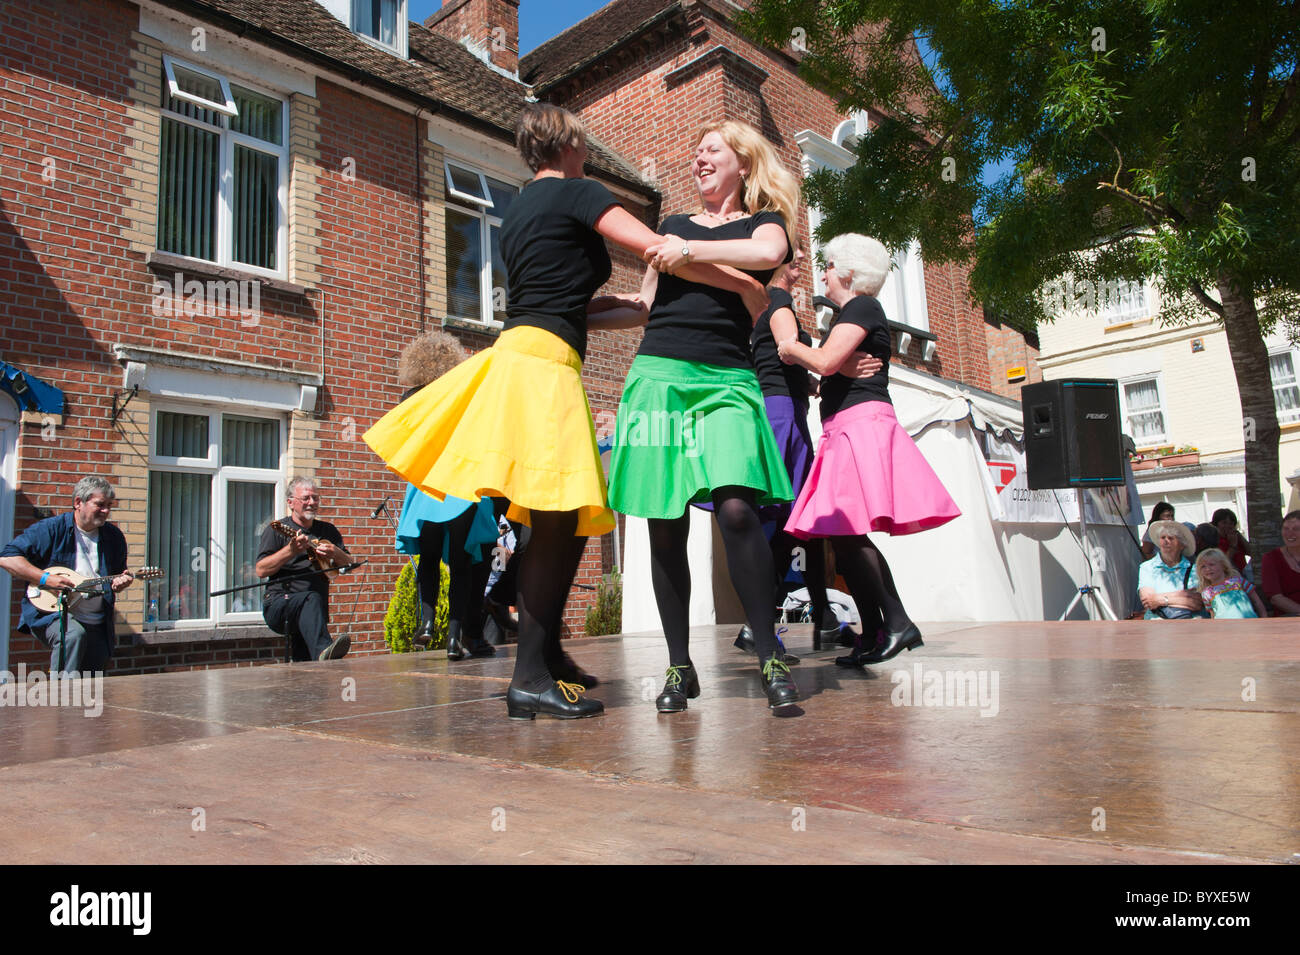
(686, 251)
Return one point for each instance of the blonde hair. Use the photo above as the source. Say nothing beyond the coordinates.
(1213, 553)
(430, 356)
(768, 184)
(544, 131)
(865, 260)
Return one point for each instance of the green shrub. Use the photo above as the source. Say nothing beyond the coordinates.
(605, 616)
(402, 621)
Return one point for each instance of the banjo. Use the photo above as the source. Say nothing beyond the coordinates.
(47, 601)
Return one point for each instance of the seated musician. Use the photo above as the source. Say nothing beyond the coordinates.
(82, 541)
(301, 605)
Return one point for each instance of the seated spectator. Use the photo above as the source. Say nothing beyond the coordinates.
(1206, 537)
(1230, 542)
(1161, 586)
(1225, 593)
(1281, 570)
(1163, 511)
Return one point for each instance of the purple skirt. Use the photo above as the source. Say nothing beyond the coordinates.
(790, 426)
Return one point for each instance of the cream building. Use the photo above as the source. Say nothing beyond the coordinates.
(1177, 388)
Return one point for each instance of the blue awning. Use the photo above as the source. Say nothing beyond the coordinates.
(30, 392)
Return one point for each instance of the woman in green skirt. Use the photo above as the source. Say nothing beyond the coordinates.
(691, 424)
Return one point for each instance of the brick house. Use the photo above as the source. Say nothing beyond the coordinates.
(219, 223)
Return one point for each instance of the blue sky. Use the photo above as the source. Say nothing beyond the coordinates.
(539, 20)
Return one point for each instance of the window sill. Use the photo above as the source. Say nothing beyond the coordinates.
(167, 262)
(468, 326)
(204, 634)
(1128, 323)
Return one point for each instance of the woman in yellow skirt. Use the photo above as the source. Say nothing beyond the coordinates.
(513, 421)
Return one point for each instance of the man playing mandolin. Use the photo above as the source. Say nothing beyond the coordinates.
(301, 605)
(82, 541)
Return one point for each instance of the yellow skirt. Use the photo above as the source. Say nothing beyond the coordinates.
(513, 422)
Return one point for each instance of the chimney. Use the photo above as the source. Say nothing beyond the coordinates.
(490, 28)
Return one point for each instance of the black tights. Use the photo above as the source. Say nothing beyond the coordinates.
(546, 573)
(870, 582)
(814, 573)
(462, 608)
(749, 561)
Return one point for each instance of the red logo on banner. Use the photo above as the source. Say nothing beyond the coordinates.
(1003, 473)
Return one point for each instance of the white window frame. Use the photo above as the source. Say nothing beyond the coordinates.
(399, 44)
(221, 478)
(478, 208)
(1294, 354)
(1161, 407)
(1112, 316)
(225, 190)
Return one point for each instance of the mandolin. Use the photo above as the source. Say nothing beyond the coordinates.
(286, 529)
(47, 601)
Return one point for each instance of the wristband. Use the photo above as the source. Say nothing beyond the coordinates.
(44, 577)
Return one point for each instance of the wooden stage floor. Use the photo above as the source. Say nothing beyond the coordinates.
(1131, 742)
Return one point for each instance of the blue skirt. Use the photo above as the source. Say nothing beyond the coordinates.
(419, 508)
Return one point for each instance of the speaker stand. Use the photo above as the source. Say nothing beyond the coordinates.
(1089, 590)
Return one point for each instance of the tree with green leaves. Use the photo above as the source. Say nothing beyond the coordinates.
(1145, 139)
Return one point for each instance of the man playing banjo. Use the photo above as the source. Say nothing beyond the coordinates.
(85, 542)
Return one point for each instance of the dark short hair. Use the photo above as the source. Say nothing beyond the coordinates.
(1221, 513)
(544, 131)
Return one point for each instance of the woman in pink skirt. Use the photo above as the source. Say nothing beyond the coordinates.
(868, 474)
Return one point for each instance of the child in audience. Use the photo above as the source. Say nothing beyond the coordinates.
(1225, 593)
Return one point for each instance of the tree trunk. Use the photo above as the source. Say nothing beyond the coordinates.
(1259, 413)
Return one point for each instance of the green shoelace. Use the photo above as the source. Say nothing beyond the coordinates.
(675, 676)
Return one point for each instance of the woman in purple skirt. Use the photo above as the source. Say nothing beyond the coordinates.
(785, 395)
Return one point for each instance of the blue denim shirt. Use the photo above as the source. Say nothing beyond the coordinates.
(53, 543)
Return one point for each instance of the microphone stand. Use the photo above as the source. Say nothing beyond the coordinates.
(299, 575)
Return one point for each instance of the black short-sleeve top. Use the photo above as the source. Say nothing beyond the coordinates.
(776, 378)
(700, 323)
(839, 391)
(554, 257)
(272, 541)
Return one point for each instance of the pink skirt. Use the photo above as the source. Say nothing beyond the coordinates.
(869, 475)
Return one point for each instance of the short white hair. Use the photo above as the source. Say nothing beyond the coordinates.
(864, 259)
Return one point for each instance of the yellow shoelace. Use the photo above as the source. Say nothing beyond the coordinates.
(571, 690)
(772, 664)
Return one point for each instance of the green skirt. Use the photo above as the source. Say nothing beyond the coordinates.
(685, 428)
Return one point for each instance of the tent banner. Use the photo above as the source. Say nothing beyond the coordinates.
(1020, 505)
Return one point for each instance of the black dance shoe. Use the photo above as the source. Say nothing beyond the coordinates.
(426, 636)
(745, 643)
(779, 684)
(894, 644)
(564, 701)
(682, 684)
(456, 649)
(825, 637)
(565, 668)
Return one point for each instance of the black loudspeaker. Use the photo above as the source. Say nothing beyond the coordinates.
(1072, 433)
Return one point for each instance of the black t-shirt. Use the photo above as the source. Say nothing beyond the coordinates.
(838, 391)
(554, 258)
(694, 322)
(776, 378)
(272, 540)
